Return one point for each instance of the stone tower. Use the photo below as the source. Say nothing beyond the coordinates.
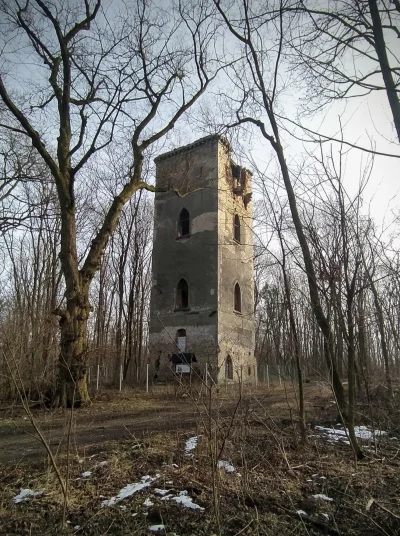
(202, 300)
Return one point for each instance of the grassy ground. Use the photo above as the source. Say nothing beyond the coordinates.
(125, 436)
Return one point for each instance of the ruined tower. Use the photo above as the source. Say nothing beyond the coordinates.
(202, 299)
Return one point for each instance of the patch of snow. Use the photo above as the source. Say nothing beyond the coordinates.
(190, 445)
(86, 474)
(222, 464)
(77, 527)
(156, 528)
(24, 495)
(301, 513)
(102, 464)
(148, 502)
(130, 489)
(162, 491)
(322, 497)
(183, 499)
(362, 432)
(325, 516)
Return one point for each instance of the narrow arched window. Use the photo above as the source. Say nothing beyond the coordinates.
(236, 228)
(182, 295)
(181, 339)
(228, 368)
(237, 299)
(184, 223)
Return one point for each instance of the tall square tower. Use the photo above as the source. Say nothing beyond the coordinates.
(202, 299)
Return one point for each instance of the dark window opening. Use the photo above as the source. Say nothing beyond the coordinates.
(236, 228)
(249, 371)
(238, 299)
(184, 223)
(182, 295)
(228, 368)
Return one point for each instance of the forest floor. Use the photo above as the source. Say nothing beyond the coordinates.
(141, 463)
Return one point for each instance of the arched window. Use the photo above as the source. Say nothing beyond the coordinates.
(184, 223)
(182, 295)
(228, 368)
(181, 339)
(236, 228)
(237, 299)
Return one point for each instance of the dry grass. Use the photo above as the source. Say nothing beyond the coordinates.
(278, 476)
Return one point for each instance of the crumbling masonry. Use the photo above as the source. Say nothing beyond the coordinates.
(202, 301)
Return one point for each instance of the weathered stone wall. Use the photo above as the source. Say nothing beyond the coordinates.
(209, 260)
(194, 173)
(235, 265)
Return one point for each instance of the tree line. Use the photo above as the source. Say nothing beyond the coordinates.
(91, 91)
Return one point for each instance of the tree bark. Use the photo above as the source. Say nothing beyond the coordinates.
(380, 48)
(71, 382)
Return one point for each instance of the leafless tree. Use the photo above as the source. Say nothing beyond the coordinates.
(347, 49)
(256, 104)
(89, 78)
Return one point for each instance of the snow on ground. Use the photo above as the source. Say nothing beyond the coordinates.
(24, 495)
(130, 489)
(162, 492)
(362, 432)
(156, 528)
(148, 502)
(301, 513)
(183, 499)
(86, 474)
(322, 497)
(222, 464)
(190, 445)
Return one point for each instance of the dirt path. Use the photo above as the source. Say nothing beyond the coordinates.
(18, 441)
(112, 417)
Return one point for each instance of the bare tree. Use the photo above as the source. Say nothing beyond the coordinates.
(347, 49)
(97, 81)
(256, 105)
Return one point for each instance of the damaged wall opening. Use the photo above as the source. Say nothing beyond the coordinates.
(184, 223)
(182, 295)
(181, 339)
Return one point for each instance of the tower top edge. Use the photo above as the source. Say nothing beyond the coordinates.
(207, 140)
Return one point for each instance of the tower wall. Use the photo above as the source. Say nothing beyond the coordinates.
(200, 178)
(235, 265)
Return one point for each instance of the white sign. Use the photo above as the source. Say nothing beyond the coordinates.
(182, 369)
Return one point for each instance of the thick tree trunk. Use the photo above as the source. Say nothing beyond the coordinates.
(71, 387)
